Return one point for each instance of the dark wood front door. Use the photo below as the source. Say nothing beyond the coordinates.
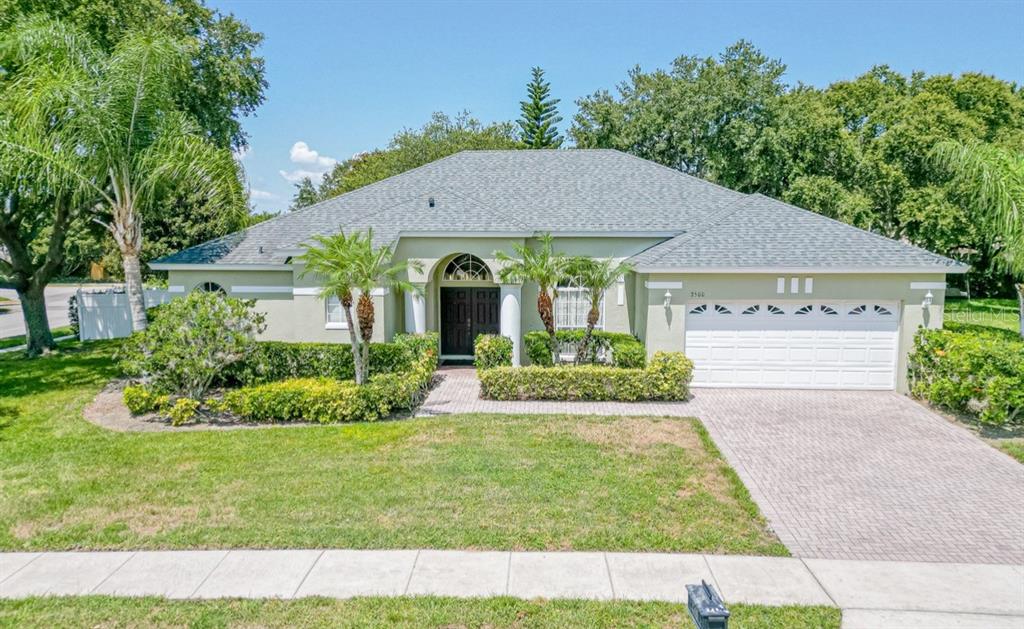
(466, 313)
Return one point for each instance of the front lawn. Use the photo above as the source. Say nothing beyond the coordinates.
(14, 341)
(1013, 447)
(99, 611)
(499, 482)
(986, 312)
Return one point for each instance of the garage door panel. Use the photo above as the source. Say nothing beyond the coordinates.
(814, 350)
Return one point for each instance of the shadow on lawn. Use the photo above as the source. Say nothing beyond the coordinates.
(70, 366)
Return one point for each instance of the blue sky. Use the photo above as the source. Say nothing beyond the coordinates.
(345, 76)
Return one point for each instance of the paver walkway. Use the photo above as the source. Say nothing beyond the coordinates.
(904, 594)
(868, 475)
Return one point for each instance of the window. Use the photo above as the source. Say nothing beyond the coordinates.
(828, 310)
(775, 310)
(335, 313)
(211, 287)
(572, 305)
(751, 310)
(859, 310)
(802, 310)
(882, 311)
(467, 268)
(701, 309)
(720, 309)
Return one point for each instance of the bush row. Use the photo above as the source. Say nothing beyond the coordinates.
(970, 370)
(627, 352)
(666, 377)
(273, 361)
(492, 350)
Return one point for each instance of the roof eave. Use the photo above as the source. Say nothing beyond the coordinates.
(888, 270)
(216, 266)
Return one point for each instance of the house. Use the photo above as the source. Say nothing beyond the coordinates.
(757, 292)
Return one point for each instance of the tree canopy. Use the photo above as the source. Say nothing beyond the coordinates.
(856, 150)
(538, 122)
(408, 149)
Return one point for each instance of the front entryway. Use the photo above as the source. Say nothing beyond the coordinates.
(465, 313)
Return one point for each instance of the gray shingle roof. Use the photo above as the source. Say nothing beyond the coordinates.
(761, 232)
(579, 191)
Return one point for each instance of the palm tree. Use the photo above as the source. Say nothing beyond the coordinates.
(132, 142)
(994, 179)
(543, 266)
(346, 264)
(595, 277)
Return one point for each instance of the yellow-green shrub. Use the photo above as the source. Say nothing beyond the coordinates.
(492, 350)
(140, 399)
(667, 377)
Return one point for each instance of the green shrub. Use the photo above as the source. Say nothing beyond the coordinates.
(627, 351)
(191, 343)
(141, 400)
(492, 350)
(667, 377)
(183, 411)
(971, 371)
(276, 360)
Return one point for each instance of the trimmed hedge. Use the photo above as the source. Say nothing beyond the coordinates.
(666, 377)
(970, 370)
(492, 350)
(627, 351)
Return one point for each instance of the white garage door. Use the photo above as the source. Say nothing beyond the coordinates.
(793, 345)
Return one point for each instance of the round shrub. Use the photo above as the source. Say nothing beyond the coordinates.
(492, 350)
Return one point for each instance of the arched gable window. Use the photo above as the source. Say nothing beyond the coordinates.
(211, 287)
(467, 268)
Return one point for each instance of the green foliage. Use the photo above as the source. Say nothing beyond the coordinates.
(410, 148)
(305, 194)
(971, 370)
(626, 350)
(140, 399)
(492, 350)
(538, 122)
(667, 377)
(183, 411)
(192, 342)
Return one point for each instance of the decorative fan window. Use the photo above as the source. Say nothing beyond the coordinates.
(751, 310)
(467, 268)
(859, 310)
(882, 311)
(775, 310)
(828, 310)
(572, 305)
(720, 309)
(211, 287)
(701, 309)
(802, 310)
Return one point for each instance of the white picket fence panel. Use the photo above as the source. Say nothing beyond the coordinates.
(105, 315)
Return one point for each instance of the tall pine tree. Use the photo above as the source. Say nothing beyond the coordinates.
(305, 194)
(540, 115)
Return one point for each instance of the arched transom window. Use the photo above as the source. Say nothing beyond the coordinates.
(467, 268)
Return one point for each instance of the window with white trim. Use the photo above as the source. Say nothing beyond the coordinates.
(335, 315)
(572, 305)
(701, 309)
(467, 268)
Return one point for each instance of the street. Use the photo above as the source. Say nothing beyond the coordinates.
(11, 321)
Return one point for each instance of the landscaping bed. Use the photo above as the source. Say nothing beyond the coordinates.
(482, 482)
(425, 611)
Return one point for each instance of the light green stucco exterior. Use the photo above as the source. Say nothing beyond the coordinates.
(294, 312)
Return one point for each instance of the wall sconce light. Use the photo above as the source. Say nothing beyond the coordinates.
(668, 298)
(927, 300)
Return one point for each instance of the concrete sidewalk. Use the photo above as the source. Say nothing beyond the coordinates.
(871, 593)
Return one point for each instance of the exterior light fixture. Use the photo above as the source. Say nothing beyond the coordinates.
(927, 300)
(668, 298)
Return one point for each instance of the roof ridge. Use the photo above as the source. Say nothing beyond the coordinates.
(855, 228)
(484, 206)
(678, 241)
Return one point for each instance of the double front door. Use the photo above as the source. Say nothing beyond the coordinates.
(466, 313)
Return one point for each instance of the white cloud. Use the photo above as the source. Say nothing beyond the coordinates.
(314, 165)
(257, 195)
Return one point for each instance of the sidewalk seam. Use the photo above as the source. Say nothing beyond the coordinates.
(306, 576)
(30, 561)
(818, 581)
(208, 574)
(408, 581)
(608, 570)
(508, 572)
(114, 571)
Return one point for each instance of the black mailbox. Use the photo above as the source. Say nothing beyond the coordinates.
(706, 607)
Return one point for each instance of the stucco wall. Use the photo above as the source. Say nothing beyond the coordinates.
(665, 327)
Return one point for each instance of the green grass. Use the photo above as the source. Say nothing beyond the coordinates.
(1013, 447)
(390, 612)
(985, 312)
(497, 482)
(14, 341)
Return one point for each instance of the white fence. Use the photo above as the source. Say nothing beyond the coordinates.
(105, 315)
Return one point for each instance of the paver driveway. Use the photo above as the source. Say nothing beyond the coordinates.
(839, 474)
